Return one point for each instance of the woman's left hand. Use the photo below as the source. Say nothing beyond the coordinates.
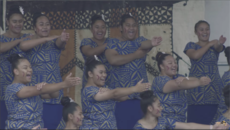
(64, 36)
(156, 41)
(222, 39)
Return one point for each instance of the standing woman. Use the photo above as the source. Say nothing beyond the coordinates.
(226, 76)
(24, 103)
(205, 102)
(43, 51)
(96, 45)
(9, 44)
(127, 55)
(99, 105)
(170, 87)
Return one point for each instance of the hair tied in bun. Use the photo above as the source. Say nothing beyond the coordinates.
(21, 10)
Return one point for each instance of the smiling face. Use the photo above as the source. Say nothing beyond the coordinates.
(78, 116)
(42, 27)
(169, 66)
(203, 32)
(156, 108)
(129, 29)
(23, 72)
(98, 75)
(99, 29)
(15, 23)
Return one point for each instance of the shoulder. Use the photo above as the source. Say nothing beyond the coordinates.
(138, 125)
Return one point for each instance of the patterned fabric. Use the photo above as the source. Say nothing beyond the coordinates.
(205, 66)
(163, 123)
(129, 74)
(97, 115)
(101, 57)
(226, 78)
(175, 103)
(61, 125)
(223, 118)
(44, 59)
(22, 113)
(6, 75)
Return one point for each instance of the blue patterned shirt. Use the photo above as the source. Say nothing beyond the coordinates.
(162, 124)
(226, 78)
(101, 57)
(175, 103)
(44, 59)
(22, 113)
(97, 114)
(6, 73)
(129, 74)
(205, 66)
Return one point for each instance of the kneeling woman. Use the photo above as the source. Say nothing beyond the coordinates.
(71, 113)
(152, 119)
(24, 103)
(99, 103)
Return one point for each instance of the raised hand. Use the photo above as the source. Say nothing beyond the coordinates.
(140, 87)
(156, 41)
(40, 85)
(205, 81)
(64, 36)
(179, 80)
(72, 81)
(222, 39)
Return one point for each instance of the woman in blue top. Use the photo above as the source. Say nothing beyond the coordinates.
(9, 44)
(226, 76)
(151, 107)
(99, 105)
(24, 103)
(71, 113)
(226, 116)
(96, 45)
(127, 55)
(205, 103)
(170, 87)
(43, 52)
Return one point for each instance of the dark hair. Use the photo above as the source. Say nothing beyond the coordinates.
(200, 22)
(91, 64)
(68, 107)
(13, 10)
(95, 18)
(147, 98)
(226, 91)
(227, 54)
(36, 16)
(124, 17)
(160, 57)
(14, 60)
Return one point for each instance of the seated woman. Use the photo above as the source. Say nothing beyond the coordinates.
(170, 87)
(99, 105)
(152, 119)
(226, 116)
(72, 113)
(24, 103)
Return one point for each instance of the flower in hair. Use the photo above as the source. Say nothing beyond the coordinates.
(71, 100)
(21, 10)
(130, 14)
(103, 17)
(19, 55)
(96, 58)
(163, 52)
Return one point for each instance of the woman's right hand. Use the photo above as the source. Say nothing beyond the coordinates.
(204, 81)
(72, 81)
(140, 87)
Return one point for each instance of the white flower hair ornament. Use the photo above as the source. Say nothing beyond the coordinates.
(71, 100)
(103, 17)
(96, 58)
(20, 55)
(21, 10)
(163, 52)
(130, 14)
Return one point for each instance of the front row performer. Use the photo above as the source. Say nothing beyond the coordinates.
(151, 107)
(24, 103)
(99, 105)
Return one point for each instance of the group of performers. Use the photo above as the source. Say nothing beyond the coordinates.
(116, 93)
